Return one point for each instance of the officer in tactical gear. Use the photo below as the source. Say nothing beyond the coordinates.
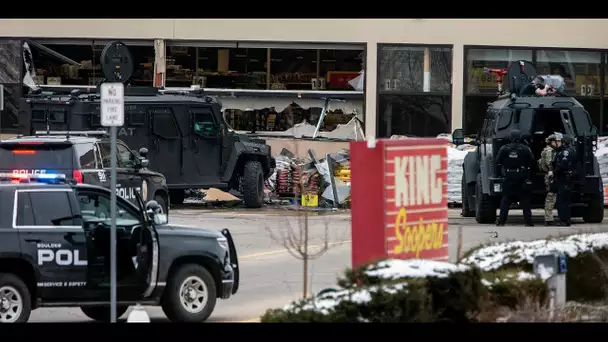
(564, 165)
(536, 87)
(515, 160)
(545, 164)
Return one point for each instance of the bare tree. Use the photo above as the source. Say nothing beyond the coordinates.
(296, 238)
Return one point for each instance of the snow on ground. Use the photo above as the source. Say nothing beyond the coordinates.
(323, 304)
(412, 268)
(496, 255)
(391, 269)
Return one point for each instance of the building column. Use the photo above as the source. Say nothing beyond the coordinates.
(457, 86)
(160, 63)
(371, 92)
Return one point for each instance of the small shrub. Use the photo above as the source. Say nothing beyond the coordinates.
(510, 288)
(404, 302)
(587, 255)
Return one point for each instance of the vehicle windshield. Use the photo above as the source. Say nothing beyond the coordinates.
(43, 158)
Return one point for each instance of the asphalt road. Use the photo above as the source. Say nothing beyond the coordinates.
(271, 276)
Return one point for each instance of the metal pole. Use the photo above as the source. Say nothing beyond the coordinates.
(113, 229)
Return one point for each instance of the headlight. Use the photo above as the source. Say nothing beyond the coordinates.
(222, 241)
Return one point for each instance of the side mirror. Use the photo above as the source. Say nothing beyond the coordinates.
(143, 152)
(458, 136)
(155, 212)
(593, 130)
(144, 163)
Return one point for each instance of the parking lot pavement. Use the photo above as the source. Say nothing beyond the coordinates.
(271, 276)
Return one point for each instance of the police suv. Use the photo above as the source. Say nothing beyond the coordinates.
(86, 157)
(54, 251)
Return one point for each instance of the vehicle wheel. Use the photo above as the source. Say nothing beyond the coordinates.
(177, 196)
(595, 211)
(15, 299)
(102, 313)
(485, 212)
(466, 210)
(253, 184)
(161, 201)
(190, 295)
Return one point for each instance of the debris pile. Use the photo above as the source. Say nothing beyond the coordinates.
(311, 181)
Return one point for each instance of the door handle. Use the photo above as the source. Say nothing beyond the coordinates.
(33, 240)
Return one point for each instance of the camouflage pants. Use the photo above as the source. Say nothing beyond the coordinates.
(549, 204)
(550, 200)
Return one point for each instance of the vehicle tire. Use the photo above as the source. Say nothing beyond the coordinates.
(595, 210)
(161, 201)
(253, 184)
(466, 210)
(485, 212)
(190, 295)
(177, 196)
(15, 299)
(102, 313)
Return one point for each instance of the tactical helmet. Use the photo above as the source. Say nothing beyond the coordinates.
(515, 135)
(558, 136)
(567, 139)
(550, 139)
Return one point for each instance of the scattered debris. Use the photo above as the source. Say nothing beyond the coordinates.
(323, 183)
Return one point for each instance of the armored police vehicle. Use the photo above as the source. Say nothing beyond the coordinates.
(55, 252)
(85, 156)
(185, 132)
(536, 117)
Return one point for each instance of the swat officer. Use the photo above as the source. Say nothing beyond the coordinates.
(545, 164)
(536, 87)
(563, 169)
(514, 160)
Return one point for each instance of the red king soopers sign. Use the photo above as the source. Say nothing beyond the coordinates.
(399, 200)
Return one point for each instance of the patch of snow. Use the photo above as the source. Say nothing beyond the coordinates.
(412, 268)
(521, 276)
(324, 303)
(519, 252)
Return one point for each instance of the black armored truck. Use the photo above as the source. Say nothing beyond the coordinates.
(536, 117)
(184, 132)
(55, 252)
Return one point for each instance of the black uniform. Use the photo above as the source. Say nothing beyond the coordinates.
(515, 160)
(563, 169)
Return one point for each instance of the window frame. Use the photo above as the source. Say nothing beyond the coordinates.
(603, 63)
(118, 161)
(127, 206)
(15, 209)
(152, 112)
(96, 160)
(379, 92)
(201, 110)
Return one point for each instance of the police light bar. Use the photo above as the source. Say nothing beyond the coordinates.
(27, 176)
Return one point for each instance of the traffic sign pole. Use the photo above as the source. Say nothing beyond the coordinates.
(112, 115)
(113, 229)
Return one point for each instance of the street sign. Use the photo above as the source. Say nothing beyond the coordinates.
(112, 104)
(112, 115)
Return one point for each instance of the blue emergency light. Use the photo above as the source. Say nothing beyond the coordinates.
(49, 176)
(25, 177)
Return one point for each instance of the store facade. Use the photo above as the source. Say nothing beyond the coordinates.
(421, 76)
